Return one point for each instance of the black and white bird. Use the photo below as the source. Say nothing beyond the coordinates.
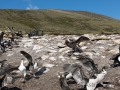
(96, 79)
(116, 58)
(76, 72)
(32, 66)
(22, 69)
(89, 64)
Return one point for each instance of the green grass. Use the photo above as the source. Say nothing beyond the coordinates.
(58, 21)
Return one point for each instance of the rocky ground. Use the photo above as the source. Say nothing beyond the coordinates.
(54, 55)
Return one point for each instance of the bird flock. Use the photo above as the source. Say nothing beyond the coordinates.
(75, 72)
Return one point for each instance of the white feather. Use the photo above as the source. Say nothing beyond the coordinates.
(22, 68)
(119, 58)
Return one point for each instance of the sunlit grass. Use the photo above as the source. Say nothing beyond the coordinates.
(58, 22)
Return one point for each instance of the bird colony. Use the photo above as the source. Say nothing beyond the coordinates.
(59, 62)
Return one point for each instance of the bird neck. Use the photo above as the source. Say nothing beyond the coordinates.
(22, 63)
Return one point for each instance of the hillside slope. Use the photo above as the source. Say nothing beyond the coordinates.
(58, 21)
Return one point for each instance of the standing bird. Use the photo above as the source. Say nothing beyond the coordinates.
(22, 69)
(32, 67)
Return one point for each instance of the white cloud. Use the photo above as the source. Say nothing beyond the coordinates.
(31, 7)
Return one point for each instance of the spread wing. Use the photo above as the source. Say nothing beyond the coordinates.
(82, 38)
(88, 63)
(79, 76)
(28, 56)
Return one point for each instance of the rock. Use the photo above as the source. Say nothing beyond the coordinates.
(103, 56)
(102, 37)
(35, 37)
(61, 58)
(64, 49)
(89, 54)
(36, 47)
(44, 57)
(52, 58)
(116, 41)
(48, 65)
(28, 44)
(61, 45)
(74, 58)
(101, 47)
(76, 53)
(52, 51)
(84, 47)
(114, 51)
(10, 54)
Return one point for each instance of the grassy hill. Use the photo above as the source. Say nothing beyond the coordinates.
(58, 21)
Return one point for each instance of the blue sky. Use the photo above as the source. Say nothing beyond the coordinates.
(109, 8)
